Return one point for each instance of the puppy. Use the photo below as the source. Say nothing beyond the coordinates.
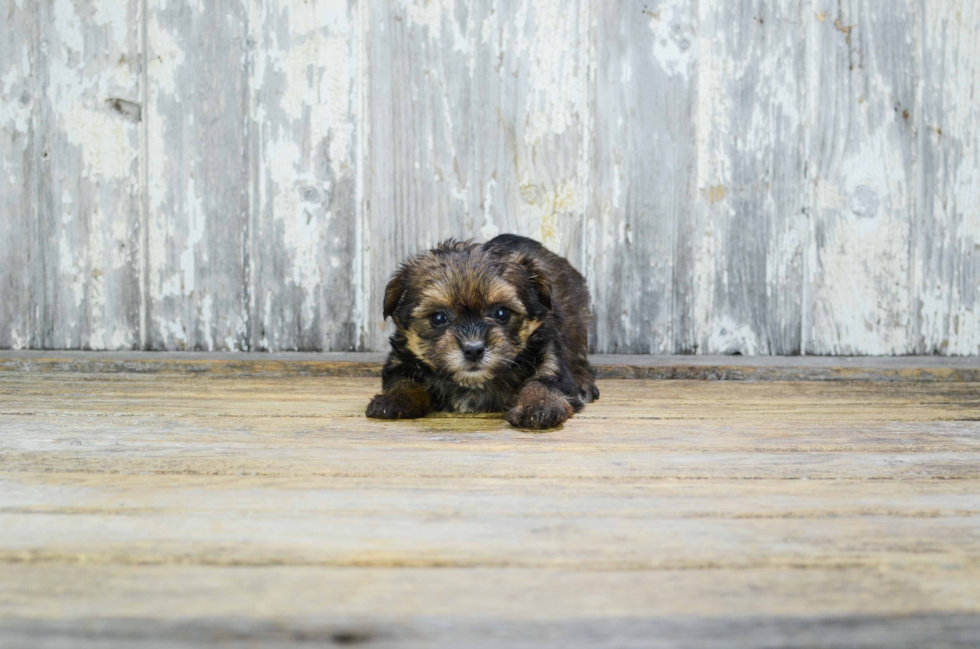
(501, 326)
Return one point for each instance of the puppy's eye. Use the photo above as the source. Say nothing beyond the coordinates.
(438, 319)
(501, 314)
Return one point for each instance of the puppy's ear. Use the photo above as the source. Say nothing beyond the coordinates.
(393, 293)
(538, 281)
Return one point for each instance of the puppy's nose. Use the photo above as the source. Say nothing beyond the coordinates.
(473, 351)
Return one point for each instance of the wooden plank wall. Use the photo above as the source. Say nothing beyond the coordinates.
(759, 176)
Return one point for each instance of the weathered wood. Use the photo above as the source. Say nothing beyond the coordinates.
(87, 145)
(303, 174)
(549, 596)
(461, 448)
(946, 242)
(234, 497)
(729, 368)
(176, 509)
(17, 170)
(942, 630)
(197, 189)
(861, 161)
(237, 364)
(757, 177)
(642, 174)
(640, 431)
(25, 392)
(746, 262)
(192, 520)
(478, 115)
(515, 608)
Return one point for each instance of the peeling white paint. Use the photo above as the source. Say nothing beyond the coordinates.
(317, 73)
(19, 340)
(165, 57)
(172, 331)
(489, 229)
(488, 28)
(87, 170)
(501, 130)
(96, 279)
(674, 38)
(66, 25)
(15, 114)
(206, 318)
(78, 90)
(946, 256)
(106, 142)
(194, 236)
(713, 173)
(17, 197)
(428, 14)
(303, 94)
(555, 72)
(729, 337)
(860, 283)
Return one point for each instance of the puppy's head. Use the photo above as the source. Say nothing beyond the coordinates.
(467, 311)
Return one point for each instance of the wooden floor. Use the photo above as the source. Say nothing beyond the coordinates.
(165, 510)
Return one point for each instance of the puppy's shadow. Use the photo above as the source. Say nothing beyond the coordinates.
(474, 423)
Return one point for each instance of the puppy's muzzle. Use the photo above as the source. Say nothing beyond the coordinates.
(474, 351)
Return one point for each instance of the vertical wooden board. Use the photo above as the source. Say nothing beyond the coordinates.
(303, 84)
(947, 245)
(478, 118)
(861, 163)
(87, 148)
(17, 102)
(642, 170)
(749, 236)
(197, 188)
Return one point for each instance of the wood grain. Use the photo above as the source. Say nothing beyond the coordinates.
(602, 622)
(302, 76)
(168, 510)
(642, 175)
(648, 431)
(618, 366)
(180, 594)
(18, 229)
(197, 192)
(86, 264)
(947, 240)
(517, 526)
(749, 236)
(861, 162)
(770, 178)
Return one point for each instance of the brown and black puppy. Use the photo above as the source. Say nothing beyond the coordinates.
(501, 326)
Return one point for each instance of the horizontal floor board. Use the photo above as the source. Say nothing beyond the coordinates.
(939, 631)
(123, 494)
(120, 395)
(594, 525)
(638, 467)
(180, 591)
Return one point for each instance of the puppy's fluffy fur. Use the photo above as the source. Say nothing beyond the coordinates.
(501, 326)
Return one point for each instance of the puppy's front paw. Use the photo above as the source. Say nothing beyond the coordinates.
(589, 393)
(538, 416)
(399, 404)
(539, 407)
